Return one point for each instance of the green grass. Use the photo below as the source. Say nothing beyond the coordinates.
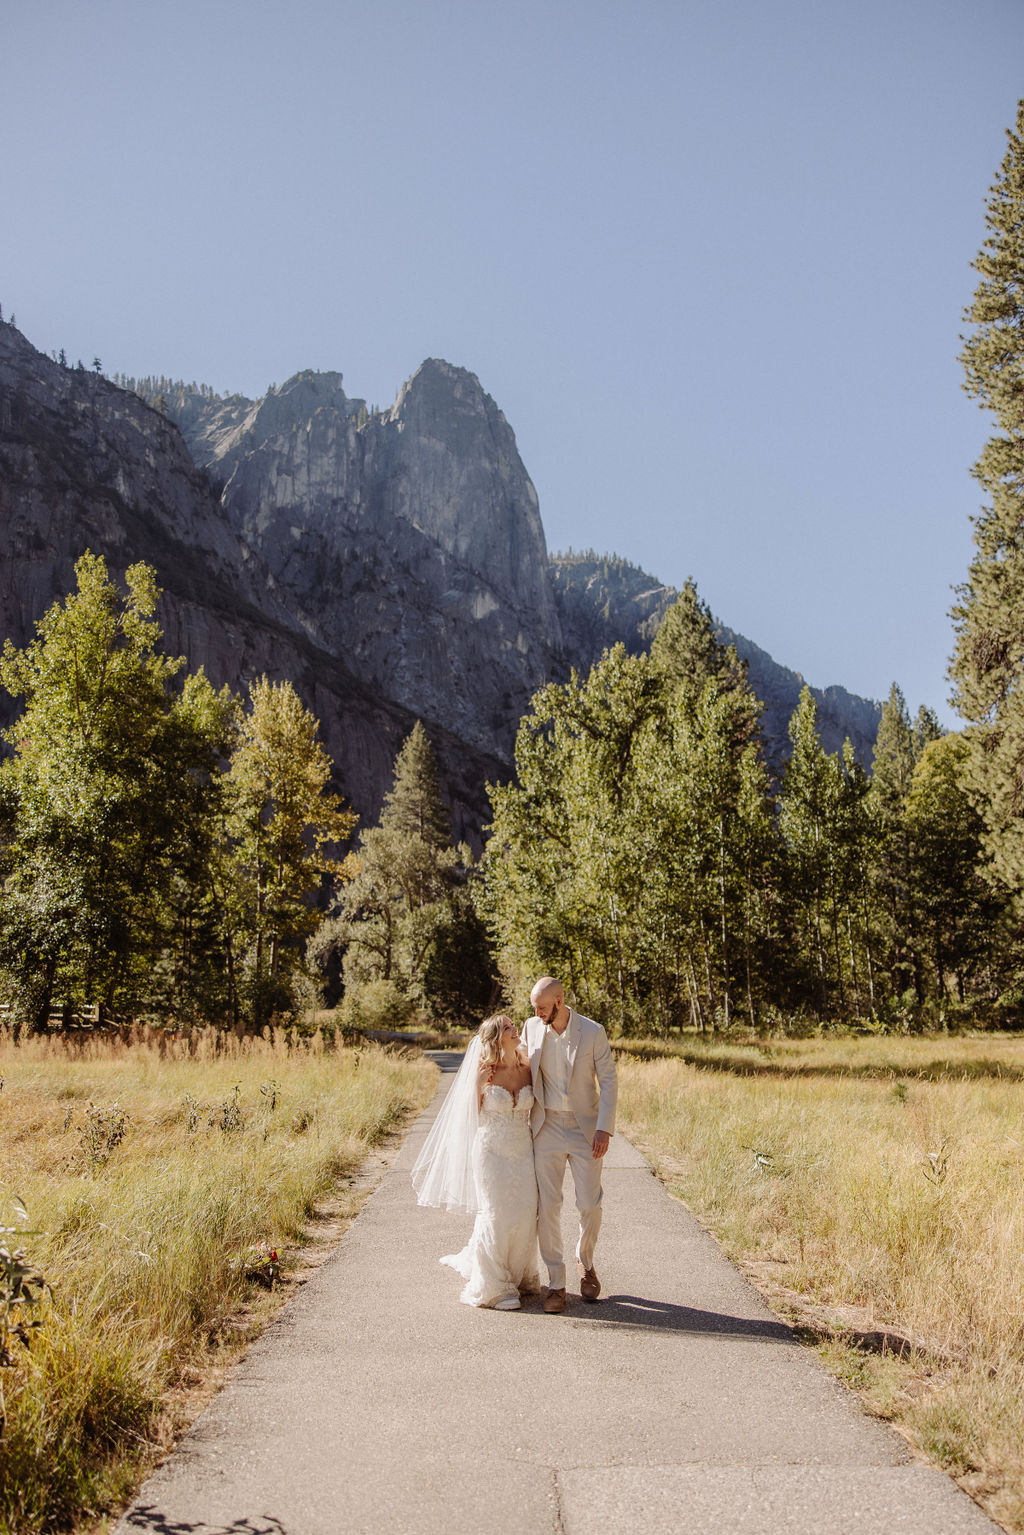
(147, 1239)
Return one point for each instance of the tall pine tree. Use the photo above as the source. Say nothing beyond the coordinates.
(406, 923)
(959, 914)
(686, 648)
(988, 664)
(413, 806)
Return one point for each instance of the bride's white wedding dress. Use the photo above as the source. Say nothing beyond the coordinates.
(500, 1259)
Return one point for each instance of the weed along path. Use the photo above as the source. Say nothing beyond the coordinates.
(376, 1404)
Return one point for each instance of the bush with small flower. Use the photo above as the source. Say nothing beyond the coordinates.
(258, 1263)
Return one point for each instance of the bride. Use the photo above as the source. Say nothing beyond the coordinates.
(478, 1158)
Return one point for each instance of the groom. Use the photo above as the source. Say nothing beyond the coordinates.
(572, 1120)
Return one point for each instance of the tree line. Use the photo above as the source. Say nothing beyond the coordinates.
(173, 852)
(158, 838)
(646, 852)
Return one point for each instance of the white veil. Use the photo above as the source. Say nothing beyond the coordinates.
(443, 1172)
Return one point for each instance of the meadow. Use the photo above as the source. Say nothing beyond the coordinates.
(169, 1185)
(872, 1187)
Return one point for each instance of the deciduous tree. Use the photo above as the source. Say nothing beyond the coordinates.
(105, 794)
(285, 828)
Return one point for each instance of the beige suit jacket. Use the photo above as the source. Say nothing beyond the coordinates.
(593, 1086)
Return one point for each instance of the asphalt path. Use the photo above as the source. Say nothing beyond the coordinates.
(376, 1404)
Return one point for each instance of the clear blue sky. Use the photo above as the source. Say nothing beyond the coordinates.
(709, 258)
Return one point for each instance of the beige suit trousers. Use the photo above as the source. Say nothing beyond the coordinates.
(558, 1141)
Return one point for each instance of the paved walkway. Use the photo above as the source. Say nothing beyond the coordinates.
(376, 1404)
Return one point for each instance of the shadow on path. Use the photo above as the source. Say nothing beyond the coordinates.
(146, 1517)
(448, 1060)
(635, 1312)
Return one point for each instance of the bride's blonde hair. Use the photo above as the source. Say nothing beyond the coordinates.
(489, 1034)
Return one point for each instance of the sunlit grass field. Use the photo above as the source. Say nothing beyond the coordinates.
(885, 1174)
(151, 1180)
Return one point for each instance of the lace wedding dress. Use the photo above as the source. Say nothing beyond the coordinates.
(500, 1259)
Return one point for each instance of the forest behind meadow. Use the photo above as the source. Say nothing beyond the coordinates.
(174, 853)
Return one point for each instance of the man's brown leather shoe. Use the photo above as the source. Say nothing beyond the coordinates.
(590, 1285)
(554, 1300)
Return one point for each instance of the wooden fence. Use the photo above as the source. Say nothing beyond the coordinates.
(64, 1017)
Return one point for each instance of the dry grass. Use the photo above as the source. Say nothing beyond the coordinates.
(147, 1239)
(881, 1179)
(847, 1053)
(421, 1034)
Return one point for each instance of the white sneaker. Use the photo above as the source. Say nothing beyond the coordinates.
(510, 1303)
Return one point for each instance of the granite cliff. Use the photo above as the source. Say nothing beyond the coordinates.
(411, 542)
(392, 563)
(408, 541)
(84, 464)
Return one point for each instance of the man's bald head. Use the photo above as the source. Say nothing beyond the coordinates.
(546, 998)
(547, 989)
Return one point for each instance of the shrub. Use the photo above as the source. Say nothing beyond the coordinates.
(376, 1005)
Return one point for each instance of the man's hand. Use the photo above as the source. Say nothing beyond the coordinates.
(600, 1143)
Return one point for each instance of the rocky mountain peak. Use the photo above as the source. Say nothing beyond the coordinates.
(461, 482)
(442, 395)
(295, 402)
(408, 540)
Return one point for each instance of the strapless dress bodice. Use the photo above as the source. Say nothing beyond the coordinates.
(498, 1100)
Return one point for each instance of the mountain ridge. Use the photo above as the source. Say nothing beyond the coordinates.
(392, 563)
(85, 464)
(605, 599)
